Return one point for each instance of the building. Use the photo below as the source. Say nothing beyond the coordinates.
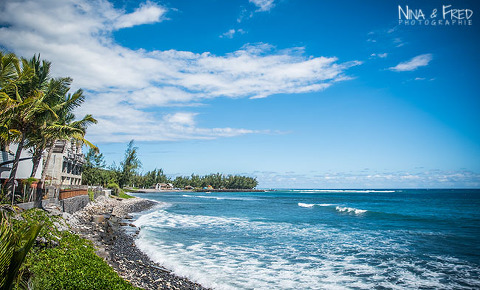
(163, 186)
(65, 166)
(66, 162)
(25, 166)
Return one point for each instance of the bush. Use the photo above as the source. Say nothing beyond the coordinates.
(73, 265)
(116, 189)
(91, 195)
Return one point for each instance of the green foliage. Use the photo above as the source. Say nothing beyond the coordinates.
(116, 189)
(151, 178)
(65, 261)
(15, 245)
(91, 195)
(73, 265)
(94, 173)
(94, 170)
(36, 109)
(129, 165)
(217, 181)
(122, 194)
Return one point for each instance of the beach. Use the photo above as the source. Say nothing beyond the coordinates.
(107, 223)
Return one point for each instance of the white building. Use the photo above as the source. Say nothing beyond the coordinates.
(65, 166)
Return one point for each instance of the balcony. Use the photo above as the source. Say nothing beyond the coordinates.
(6, 157)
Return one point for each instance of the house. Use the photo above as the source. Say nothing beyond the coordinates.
(163, 186)
(65, 165)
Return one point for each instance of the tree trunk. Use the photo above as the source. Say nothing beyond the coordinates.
(45, 165)
(38, 196)
(13, 172)
(37, 156)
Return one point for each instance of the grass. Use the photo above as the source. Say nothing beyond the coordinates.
(122, 194)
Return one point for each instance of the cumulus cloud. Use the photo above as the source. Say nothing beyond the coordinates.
(146, 14)
(414, 63)
(379, 55)
(122, 83)
(263, 5)
(231, 33)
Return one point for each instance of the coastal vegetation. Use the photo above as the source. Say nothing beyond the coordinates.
(57, 259)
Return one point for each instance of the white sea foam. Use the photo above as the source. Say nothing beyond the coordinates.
(350, 210)
(310, 205)
(306, 204)
(220, 198)
(343, 190)
(236, 253)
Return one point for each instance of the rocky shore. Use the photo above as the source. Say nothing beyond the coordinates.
(104, 222)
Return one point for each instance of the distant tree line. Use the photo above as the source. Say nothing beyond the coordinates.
(95, 172)
(216, 180)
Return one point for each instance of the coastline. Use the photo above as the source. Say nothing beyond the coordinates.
(150, 190)
(104, 222)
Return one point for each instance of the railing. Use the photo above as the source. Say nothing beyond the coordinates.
(73, 187)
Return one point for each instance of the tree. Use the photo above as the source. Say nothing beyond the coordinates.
(22, 100)
(66, 129)
(55, 98)
(94, 170)
(129, 165)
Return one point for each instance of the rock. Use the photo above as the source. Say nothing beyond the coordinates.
(98, 219)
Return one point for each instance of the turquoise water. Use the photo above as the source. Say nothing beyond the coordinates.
(318, 239)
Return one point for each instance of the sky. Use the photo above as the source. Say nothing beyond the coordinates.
(299, 94)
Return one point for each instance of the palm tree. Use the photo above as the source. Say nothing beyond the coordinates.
(66, 129)
(23, 105)
(10, 73)
(55, 98)
(36, 110)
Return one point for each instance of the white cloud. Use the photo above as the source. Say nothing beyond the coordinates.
(183, 118)
(146, 14)
(414, 63)
(122, 83)
(379, 55)
(231, 33)
(263, 5)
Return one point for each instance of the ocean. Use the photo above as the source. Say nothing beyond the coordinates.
(317, 239)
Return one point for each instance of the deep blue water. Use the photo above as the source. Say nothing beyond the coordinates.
(318, 239)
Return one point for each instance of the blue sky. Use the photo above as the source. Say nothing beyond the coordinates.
(305, 94)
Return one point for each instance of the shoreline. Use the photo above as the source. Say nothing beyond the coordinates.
(104, 222)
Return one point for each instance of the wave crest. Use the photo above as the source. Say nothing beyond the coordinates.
(350, 210)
